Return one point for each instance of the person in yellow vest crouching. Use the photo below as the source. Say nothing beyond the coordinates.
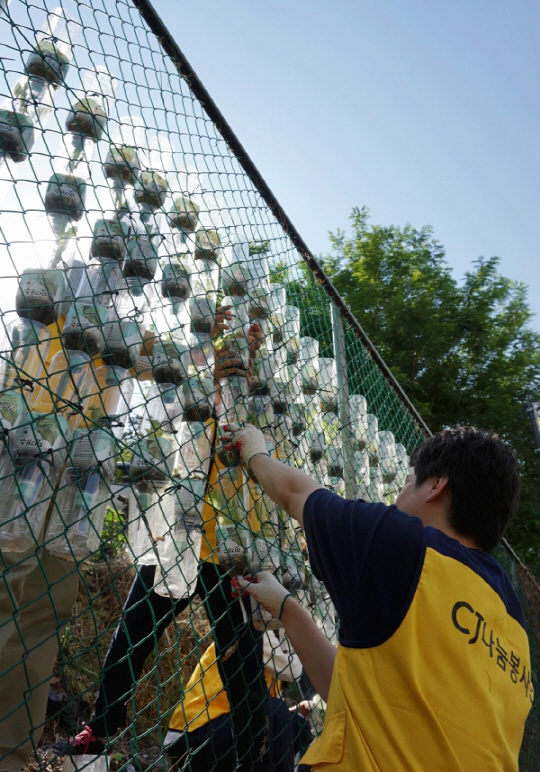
(201, 731)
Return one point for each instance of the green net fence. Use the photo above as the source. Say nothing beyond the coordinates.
(152, 292)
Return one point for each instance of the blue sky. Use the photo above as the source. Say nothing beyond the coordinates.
(427, 112)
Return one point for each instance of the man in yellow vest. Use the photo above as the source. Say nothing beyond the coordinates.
(432, 670)
(201, 729)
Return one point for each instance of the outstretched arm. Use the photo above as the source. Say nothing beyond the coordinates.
(287, 486)
(315, 651)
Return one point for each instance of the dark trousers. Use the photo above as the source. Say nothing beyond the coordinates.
(239, 655)
(210, 748)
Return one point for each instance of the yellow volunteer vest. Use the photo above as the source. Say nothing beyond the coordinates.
(449, 691)
(205, 698)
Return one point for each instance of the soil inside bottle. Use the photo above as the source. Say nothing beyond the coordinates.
(88, 118)
(16, 135)
(122, 163)
(48, 62)
(198, 412)
(66, 195)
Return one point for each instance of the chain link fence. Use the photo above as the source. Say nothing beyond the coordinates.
(153, 291)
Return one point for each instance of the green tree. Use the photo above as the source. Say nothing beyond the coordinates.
(463, 351)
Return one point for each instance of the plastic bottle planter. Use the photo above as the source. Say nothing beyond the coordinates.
(227, 458)
(123, 342)
(359, 421)
(94, 447)
(376, 485)
(387, 457)
(293, 571)
(41, 436)
(147, 525)
(291, 332)
(170, 359)
(122, 163)
(330, 423)
(338, 486)
(66, 195)
(229, 497)
(26, 494)
(109, 238)
(363, 474)
(198, 396)
(151, 189)
(372, 444)
(23, 353)
(16, 134)
(40, 294)
(154, 453)
(234, 391)
(75, 527)
(195, 441)
(202, 311)
(257, 303)
(297, 412)
(328, 384)
(88, 115)
(235, 273)
(309, 364)
(182, 544)
(83, 328)
(261, 413)
(207, 245)
(184, 215)
(315, 445)
(402, 465)
(233, 342)
(142, 258)
(176, 278)
(334, 460)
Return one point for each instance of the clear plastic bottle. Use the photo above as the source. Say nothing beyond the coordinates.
(27, 487)
(328, 384)
(388, 462)
(235, 273)
(195, 441)
(363, 473)
(230, 499)
(65, 386)
(89, 113)
(334, 459)
(124, 331)
(53, 52)
(74, 530)
(155, 452)
(359, 420)
(125, 159)
(110, 236)
(176, 277)
(309, 364)
(106, 409)
(199, 388)
(291, 332)
(170, 357)
(31, 100)
(83, 328)
(147, 526)
(372, 444)
(179, 557)
(207, 245)
(151, 185)
(23, 352)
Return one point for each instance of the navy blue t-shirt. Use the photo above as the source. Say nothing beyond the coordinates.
(370, 558)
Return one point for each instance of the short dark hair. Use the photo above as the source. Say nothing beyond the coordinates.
(483, 480)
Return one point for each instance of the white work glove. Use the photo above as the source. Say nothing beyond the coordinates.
(265, 588)
(247, 440)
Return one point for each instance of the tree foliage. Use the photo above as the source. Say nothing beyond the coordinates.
(463, 351)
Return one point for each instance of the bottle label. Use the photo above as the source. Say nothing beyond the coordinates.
(91, 447)
(141, 249)
(154, 453)
(42, 287)
(164, 351)
(82, 317)
(43, 434)
(122, 335)
(12, 409)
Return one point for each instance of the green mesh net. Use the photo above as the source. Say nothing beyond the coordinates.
(153, 292)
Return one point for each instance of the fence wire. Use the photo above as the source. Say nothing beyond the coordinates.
(153, 292)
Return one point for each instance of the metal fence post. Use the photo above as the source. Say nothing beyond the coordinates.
(349, 470)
